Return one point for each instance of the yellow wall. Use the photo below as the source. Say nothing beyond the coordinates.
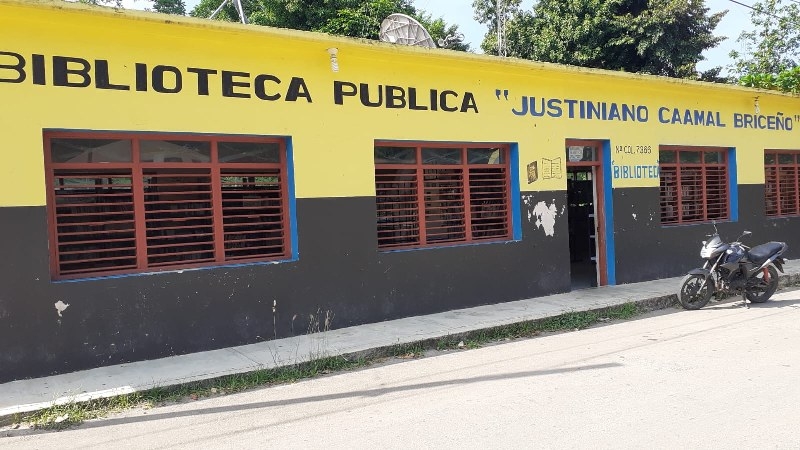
(333, 143)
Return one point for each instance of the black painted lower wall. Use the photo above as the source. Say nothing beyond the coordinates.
(646, 250)
(340, 270)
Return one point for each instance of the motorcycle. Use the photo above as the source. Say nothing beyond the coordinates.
(733, 268)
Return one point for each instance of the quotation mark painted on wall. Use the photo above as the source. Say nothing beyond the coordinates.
(497, 93)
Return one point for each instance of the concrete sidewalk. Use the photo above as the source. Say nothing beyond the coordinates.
(31, 395)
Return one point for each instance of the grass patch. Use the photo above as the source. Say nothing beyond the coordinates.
(411, 350)
(71, 414)
(564, 322)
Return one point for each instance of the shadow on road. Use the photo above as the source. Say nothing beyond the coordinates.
(793, 301)
(737, 302)
(367, 393)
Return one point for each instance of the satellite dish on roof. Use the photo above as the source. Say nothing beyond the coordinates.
(404, 30)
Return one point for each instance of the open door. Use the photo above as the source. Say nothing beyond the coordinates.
(586, 213)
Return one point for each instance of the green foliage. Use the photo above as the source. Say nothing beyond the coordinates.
(715, 76)
(785, 81)
(205, 8)
(440, 30)
(659, 37)
(364, 20)
(564, 322)
(486, 11)
(170, 7)
(772, 50)
(622, 312)
(569, 321)
(354, 18)
(774, 44)
(413, 349)
(789, 80)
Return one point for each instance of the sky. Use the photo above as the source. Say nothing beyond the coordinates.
(460, 12)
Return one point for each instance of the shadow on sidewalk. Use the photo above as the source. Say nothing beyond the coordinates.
(317, 398)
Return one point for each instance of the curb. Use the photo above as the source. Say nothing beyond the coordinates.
(385, 351)
(642, 306)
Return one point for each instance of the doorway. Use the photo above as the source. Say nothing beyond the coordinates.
(585, 214)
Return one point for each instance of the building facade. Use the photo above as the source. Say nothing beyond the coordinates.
(172, 185)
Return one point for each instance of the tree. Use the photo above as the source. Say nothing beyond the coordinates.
(364, 18)
(486, 11)
(354, 18)
(493, 13)
(774, 45)
(785, 81)
(205, 8)
(440, 31)
(170, 7)
(659, 37)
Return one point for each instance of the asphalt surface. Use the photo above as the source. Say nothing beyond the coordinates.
(722, 377)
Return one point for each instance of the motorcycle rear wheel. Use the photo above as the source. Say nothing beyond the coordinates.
(763, 291)
(690, 295)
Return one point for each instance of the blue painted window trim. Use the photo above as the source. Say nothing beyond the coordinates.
(294, 251)
(608, 199)
(733, 197)
(733, 185)
(516, 196)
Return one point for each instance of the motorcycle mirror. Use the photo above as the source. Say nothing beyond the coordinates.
(714, 222)
(747, 233)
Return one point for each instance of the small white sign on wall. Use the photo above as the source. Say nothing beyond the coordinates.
(575, 153)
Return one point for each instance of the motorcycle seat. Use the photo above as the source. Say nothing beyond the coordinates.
(763, 252)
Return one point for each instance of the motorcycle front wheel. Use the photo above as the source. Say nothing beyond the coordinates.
(761, 291)
(691, 296)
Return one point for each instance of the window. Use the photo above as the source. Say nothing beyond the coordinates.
(782, 183)
(694, 184)
(135, 203)
(433, 195)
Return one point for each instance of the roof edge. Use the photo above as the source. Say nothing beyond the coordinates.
(155, 17)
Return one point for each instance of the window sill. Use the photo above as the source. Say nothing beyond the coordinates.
(795, 216)
(176, 271)
(689, 224)
(458, 244)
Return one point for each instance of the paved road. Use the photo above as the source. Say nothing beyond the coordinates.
(722, 377)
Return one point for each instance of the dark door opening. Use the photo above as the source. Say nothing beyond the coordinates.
(586, 213)
(582, 227)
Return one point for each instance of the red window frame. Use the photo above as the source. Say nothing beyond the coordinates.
(782, 183)
(694, 192)
(423, 205)
(135, 217)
